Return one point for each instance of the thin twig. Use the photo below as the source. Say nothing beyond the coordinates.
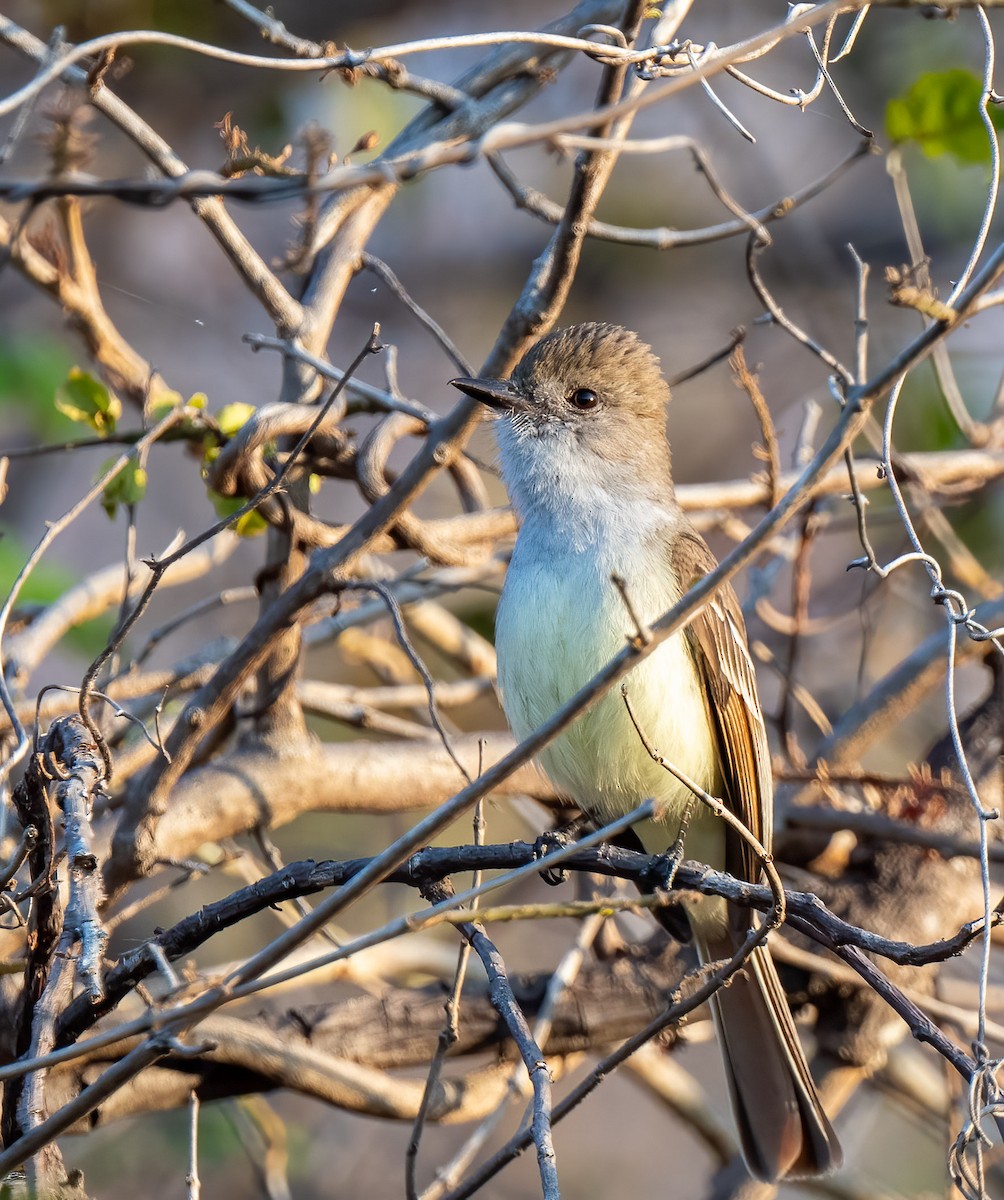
(383, 271)
(506, 1005)
(53, 530)
(747, 380)
(192, 1177)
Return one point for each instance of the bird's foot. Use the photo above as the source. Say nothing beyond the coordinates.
(555, 839)
(662, 873)
(661, 878)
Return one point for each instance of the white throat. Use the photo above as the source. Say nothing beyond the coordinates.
(566, 493)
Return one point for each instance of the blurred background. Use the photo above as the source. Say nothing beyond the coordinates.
(463, 250)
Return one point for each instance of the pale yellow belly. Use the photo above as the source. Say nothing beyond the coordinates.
(555, 630)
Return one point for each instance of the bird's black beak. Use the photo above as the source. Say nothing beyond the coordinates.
(498, 394)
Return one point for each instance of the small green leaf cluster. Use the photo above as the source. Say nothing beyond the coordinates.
(87, 401)
(230, 420)
(941, 112)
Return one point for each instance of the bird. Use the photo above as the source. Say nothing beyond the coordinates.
(585, 456)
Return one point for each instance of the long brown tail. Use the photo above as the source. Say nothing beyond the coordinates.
(782, 1126)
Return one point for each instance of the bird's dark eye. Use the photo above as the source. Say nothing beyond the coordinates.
(583, 398)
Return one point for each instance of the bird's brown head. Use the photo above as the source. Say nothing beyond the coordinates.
(585, 407)
(591, 375)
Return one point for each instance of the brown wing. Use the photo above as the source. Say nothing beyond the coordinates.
(718, 639)
(781, 1122)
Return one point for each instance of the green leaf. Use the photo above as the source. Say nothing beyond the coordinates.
(87, 401)
(233, 417)
(165, 403)
(191, 427)
(250, 525)
(941, 113)
(128, 486)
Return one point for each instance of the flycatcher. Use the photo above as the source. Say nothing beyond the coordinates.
(585, 456)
